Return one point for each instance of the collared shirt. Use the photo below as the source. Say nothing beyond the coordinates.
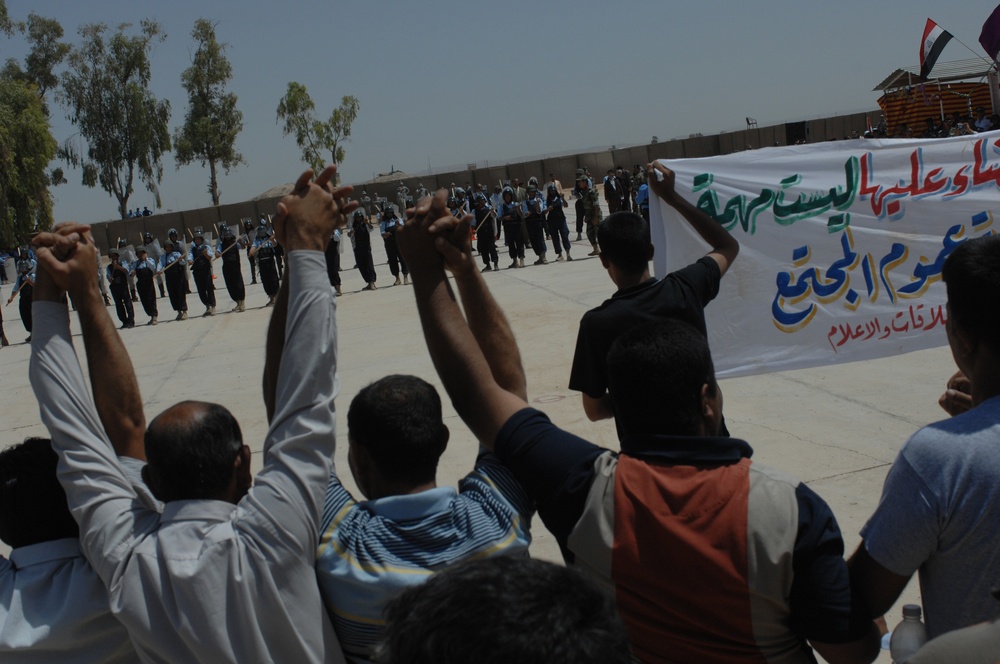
(528, 206)
(54, 608)
(170, 257)
(209, 581)
(386, 224)
(200, 250)
(113, 273)
(373, 550)
(148, 264)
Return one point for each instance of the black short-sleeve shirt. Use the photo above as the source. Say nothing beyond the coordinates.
(681, 295)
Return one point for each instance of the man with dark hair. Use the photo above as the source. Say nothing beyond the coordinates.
(626, 250)
(409, 528)
(711, 558)
(226, 573)
(940, 504)
(503, 611)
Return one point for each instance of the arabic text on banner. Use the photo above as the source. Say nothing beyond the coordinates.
(841, 245)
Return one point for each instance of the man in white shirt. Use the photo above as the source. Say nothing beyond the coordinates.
(225, 574)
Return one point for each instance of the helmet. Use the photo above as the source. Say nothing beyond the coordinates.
(533, 180)
(452, 201)
(532, 189)
(121, 243)
(507, 191)
(113, 251)
(262, 231)
(172, 231)
(262, 223)
(198, 233)
(479, 198)
(459, 192)
(552, 187)
(147, 238)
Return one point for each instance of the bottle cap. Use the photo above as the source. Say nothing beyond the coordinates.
(911, 611)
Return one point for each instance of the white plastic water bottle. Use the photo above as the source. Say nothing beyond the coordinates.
(909, 635)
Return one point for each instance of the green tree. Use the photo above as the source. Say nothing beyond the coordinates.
(212, 121)
(123, 125)
(26, 148)
(316, 138)
(6, 25)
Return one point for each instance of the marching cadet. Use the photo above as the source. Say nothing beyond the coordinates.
(487, 232)
(228, 248)
(154, 252)
(361, 232)
(181, 245)
(118, 271)
(533, 209)
(143, 270)
(247, 232)
(128, 257)
(200, 257)
(172, 265)
(388, 226)
(462, 200)
(510, 216)
(24, 285)
(263, 249)
(555, 220)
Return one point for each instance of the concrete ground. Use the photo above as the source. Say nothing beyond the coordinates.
(838, 428)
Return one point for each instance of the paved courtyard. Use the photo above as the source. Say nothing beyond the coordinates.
(838, 428)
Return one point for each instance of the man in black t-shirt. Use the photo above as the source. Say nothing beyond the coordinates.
(626, 250)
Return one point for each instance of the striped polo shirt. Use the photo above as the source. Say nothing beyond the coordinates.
(710, 557)
(371, 551)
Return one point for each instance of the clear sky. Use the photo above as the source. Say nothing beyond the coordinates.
(444, 83)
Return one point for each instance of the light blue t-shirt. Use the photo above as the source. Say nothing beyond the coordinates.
(940, 514)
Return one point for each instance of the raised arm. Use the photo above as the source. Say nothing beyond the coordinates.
(486, 319)
(457, 357)
(298, 451)
(99, 494)
(724, 246)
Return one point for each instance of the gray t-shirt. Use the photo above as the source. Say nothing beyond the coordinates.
(979, 644)
(940, 513)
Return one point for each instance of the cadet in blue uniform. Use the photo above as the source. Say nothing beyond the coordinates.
(24, 285)
(555, 220)
(144, 269)
(388, 226)
(229, 249)
(200, 257)
(263, 249)
(172, 265)
(487, 233)
(118, 271)
(533, 208)
(361, 232)
(510, 215)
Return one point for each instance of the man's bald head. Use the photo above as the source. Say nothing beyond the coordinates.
(192, 450)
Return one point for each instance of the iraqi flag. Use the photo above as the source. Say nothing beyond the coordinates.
(933, 42)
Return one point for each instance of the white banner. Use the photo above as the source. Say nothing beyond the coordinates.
(841, 245)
